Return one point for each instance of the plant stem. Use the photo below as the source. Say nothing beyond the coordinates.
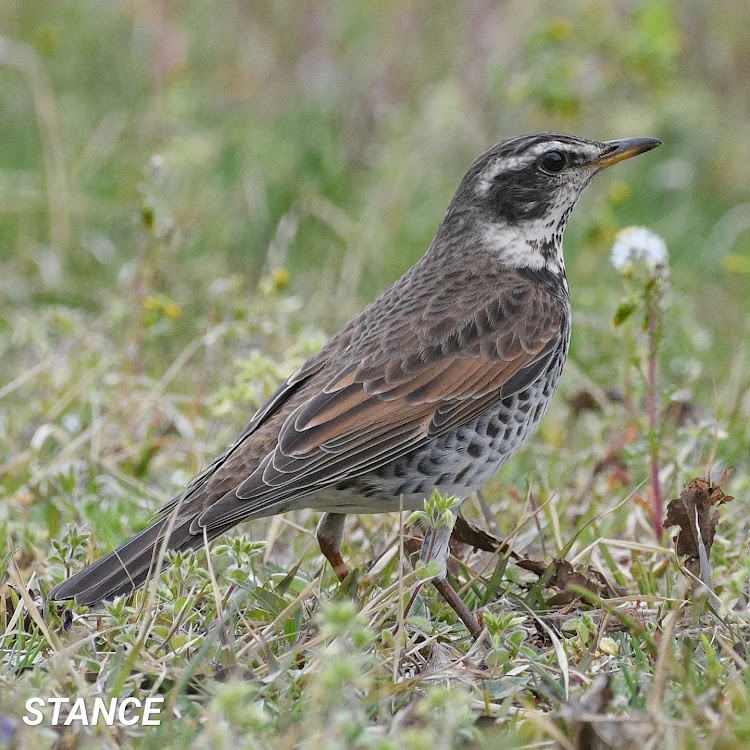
(651, 401)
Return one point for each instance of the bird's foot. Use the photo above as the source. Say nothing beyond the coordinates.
(340, 568)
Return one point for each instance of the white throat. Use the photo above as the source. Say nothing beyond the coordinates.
(535, 245)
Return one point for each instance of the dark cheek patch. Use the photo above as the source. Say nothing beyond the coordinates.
(521, 195)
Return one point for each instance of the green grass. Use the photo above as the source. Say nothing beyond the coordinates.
(192, 199)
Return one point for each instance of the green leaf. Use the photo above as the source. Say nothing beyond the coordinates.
(623, 312)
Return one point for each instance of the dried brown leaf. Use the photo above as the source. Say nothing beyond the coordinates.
(584, 401)
(564, 576)
(717, 495)
(468, 532)
(695, 502)
(682, 512)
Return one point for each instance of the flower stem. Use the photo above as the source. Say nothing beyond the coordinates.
(651, 403)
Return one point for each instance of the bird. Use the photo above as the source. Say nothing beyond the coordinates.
(434, 385)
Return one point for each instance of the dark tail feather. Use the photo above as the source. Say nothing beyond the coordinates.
(127, 567)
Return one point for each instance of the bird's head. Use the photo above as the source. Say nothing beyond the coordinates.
(520, 192)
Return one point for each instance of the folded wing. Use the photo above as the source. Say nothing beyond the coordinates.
(372, 411)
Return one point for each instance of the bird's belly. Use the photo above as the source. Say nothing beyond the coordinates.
(456, 463)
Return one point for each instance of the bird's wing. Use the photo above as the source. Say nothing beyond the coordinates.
(376, 409)
(274, 403)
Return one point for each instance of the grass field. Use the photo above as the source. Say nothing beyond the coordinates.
(193, 196)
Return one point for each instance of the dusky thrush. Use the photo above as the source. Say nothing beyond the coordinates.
(434, 385)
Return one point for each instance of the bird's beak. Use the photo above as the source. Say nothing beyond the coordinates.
(623, 149)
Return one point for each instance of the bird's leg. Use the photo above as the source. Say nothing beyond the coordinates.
(435, 547)
(456, 603)
(329, 534)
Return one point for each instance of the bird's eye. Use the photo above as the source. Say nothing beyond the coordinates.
(553, 161)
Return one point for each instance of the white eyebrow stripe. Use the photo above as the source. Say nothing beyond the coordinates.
(498, 165)
(540, 148)
(516, 162)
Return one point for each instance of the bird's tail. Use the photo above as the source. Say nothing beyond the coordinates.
(127, 567)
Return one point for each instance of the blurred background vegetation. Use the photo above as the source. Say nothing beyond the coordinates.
(327, 137)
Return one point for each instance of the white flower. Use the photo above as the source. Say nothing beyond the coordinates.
(155, 168)
(638, 244)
